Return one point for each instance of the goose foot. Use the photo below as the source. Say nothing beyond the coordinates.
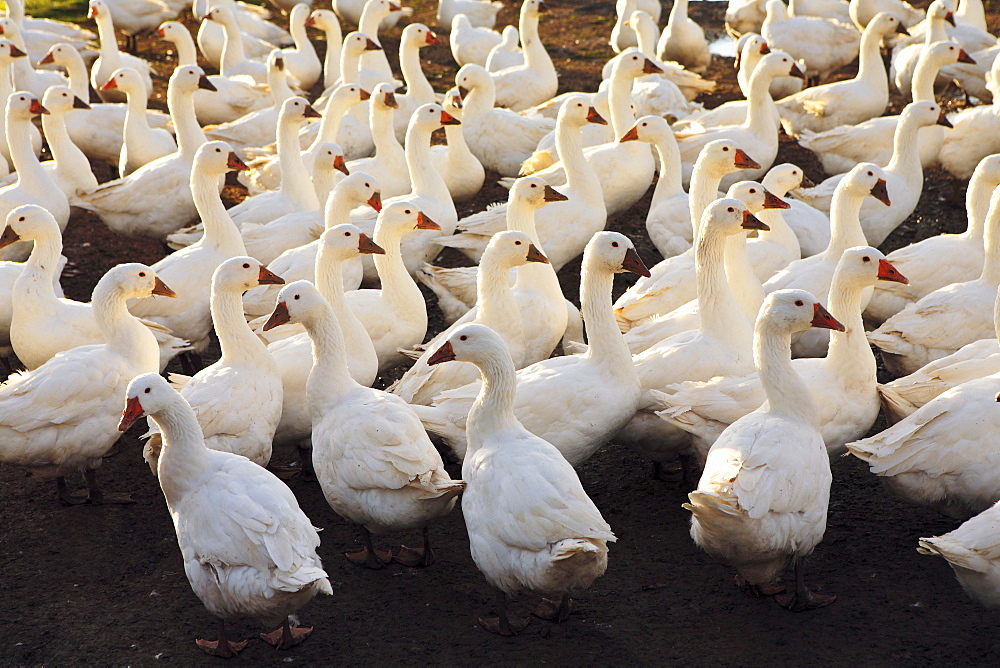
(302, 470)
(802, 599)
(554, 610)
(68, 498)
(416, 556)
(502, 624)
(223, 646)
(369, 556)
(93, 495)
(758, 591)
(286, 637)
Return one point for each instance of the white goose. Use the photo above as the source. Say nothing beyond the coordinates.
(600, 383)
(388, 165)
(259, 35)
(763, 497)
(237, 400)
(234, 60)
(669, 206)
(825, 45)
(550, 540)
(326, 20)
(507, 53)
(418, 90)
(248, 549)
(301, 60)
(111, 58)
(683, 40)
(60, 418)
(471, 45)
(481, 13)
(460, 169)
(972, 552)
(8, 53)
(972, 137)
(350, 11)
(27, 77)
(142, 144)
(535, 81)
(371, 24)
(374, 462)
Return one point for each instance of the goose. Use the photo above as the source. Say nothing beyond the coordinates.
(496, 308)
(971, 138)
(47, 28)
(236, 400)
(41, 323)
(971, 551)
(124, 204)
(669, 286)
(763, 497)
(461, 170)
(301, 60)
(754, 48)
(374, 462)
(544, 311)
(815, 273)
(842, 383)
(918, 334)
(142, 144)
(59, 419)
(944, 259)
(535, 81)
(507, 53)
(248, 549)
(418, 90)
(838, 149)
(372, 16)
(564, 228)
(471, 45)
(234, 60)
(824, 45)
(552, 541)
(481, 13)
(298, 261)
(623, 34)
(259, 35)
(9, 52)
(683, 40)
(326, 20)
(232, 97)
(260, 126)
(824, 107)
(600, 383)
(429, 192)
(293, 353)
(758, 134)
(388, 165)
(132, 18)
(111, 58)
(99, 131)
(744, 16)
(356, 44)
(904, 175)
(34, 184)
(27, 77)
(350, 11)
(192, 268)
(863, 11)
(499, 138)
(941, 456)
(828, 9)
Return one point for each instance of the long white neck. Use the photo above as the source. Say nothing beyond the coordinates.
(495, 302)
(221, 232)
(938, 31)
(849, 352)
(329, 125)
(458, 149)
(330, 283)
(109, 43)
(387, 148)
(189, 135)
(277, 81)
(741, 277)
(480, 100)
(417, 86)
(786, 394)
(137, 128)
(761, 111)
(239, 344)
(41, 266)
(493, 410)
(26, 164)
(183, 463)
(580, 176)
(991, 243)
(330, 377)
(669, 182)
(295, 183)
(977, 202)
(425, 181)
(924, 75)
(620, 101)
(646, 35)
(678, 12)
(871, 69)
(535, 55)
(533, 275)
(124, 334)
(606, 343)
(350, 65)
(186, 54)
(323, 180)
(399, 291)
(331, 61)
(76, 70)
(748, 63)
(721, 315)
(69, 159)
(233, 55)
(905, 160)
(702, 191)
(845, 224)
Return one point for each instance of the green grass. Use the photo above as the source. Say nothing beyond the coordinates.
(63, 10)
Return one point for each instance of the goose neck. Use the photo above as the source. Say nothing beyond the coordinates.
(493, 410)
(417, 86)
(977, 203)
(329, 124)
(26, 164)
(924, 75)
(701, 192)
(991, 242)
(678, 12)
(184, 459)
(60, 144)
(848, 349)
(399, 291)
(350, 66)
(607, 345)
(238, 343)
(124, 334)
(905, 159)
(108, 41)
(295, 183)
(721, 315)
(330, 377)
(425, 180)
(494, 299)
(220, 231)
(620, 102)
(186, 54)
(646, 36)
(786, 394)
(233, 55)
(742, 279)
(323, 181)
(479, 101)
(580, 176)
(937, 32)
(180, 103)
(76, 70)
(760, 105)
(136, 124)
(387, 147)
(845, 223)
(669, 182)
(534, 51)
(331, 61)
(42, 264)
(871, 69)
(297, 29)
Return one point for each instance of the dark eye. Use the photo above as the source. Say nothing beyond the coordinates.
(407, 211)
(146, 390)
(614, 244)
(347, 234)
(21, 219)
(725, 148)
(517, 243)
(296, 297)
(534, 185)
(798, 302)
(871, 173)
(142, 273)
(731, 210)
(218, 150)
(463, 338)
(753, 191)
(246, 265)
(866, 259)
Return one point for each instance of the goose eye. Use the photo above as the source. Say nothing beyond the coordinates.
(725, 148)
(463, 338)
(753, 191)
(798, 302)
(347, 234)
(731, 210)
(866, 259)
(21, 219)
(614, 244)
(246, 265)
(296, 297)
(407, 211)
(142, 274)
(534, 185)
(517, 243)
(146, 390)
(218, 150)
(871, 173)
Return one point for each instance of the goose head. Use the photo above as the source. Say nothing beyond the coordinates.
(534, 192)
(23, 105)
(330, 157)
(356, 43)
(418, 35)
(188, 79)
(384, 97)
(9, 51)
(631, 63)
(172, 31)
(796, 311)
(215, 158)
(723, 156)
(755, 197)
(61, 99)
(533, 8)
(776, 11)
(946, 53)
(863, 266)
(347, 94)
(509, 38)
(452, 102)
(133, 281)
(342, 242)
(57, 55)
(885, 23)
(785, 177)
(323, 19)
(29, 222)
(778, 64)
(430, 117)
(11, 30)
(380, 8)
(222, 15)
(728, 216)
(296, 110)
(242, 273)
(473, 343)
(749, 49)
(471, 77)
(577, 112)
(511, 248)
(640, 21)
(298, 302)
(126, 80)
(148, 394)
(299, 14)
(359, 188)
(866, 179)
(650, 129)
(403, 218)
(940, 11)
(614, 253)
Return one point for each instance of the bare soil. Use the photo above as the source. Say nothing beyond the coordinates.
(105, 585)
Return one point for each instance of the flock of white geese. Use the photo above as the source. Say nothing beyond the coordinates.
(694, 361)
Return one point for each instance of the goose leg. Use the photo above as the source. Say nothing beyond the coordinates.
(416, 556)
(553, 610)
(503, 625)
(223, 646)
(758, 591)
(369, 556)
(286, 637)
(802, 599)
(68, 498)
(97, 497)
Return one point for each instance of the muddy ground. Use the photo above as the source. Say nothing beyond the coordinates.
(105, 585)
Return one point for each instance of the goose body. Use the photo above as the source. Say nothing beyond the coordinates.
(536, 81)
(111, 58)
(973, 552)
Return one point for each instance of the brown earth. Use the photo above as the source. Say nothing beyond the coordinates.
(105, 585)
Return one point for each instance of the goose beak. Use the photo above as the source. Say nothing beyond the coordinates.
(553, 195)
(425, 223)
(279, 317)
(455, 100)
(79, 104)
(649, 67)
(234, 163)
(279, 62)
(133, 411)
(765, 49)
(160, 32)
(963, 57)
(806, 182)
(375, 201)
(631, 135)
(881, 192)
(736, 61)
(535, 255)
(8, 237)
(901, 29)
(752, 222)
(594, 117)
(943, 120)
(371, 45)
(744, 161)
(393, 7)
(311, 21)
(634, 263)
(390, 101)
(887, 272)
(160, 288)
(37, 108)
(14, 51)
(92, 12)
(772, 201)
(950, 18)
(369, 247)
(110, 84)
(463, 92)
(363, 94)
(310, 112)
(267, 277)
(46, 60)
(448, 119)
(823, 319)
(341, 166)
(797, 72)
(443, 354)
(205, 84)
(432, 38)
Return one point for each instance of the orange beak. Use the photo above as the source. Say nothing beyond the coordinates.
(48, 59)
(744, 161)
(110, 84)
(14, 51)
(443, 354)
(375, 202)
(390, 101)
(371, 45)
(751, 222)
(8, 237)
(309, 112)
(160, 32)
(553, 195)
(267, 277)
(649, 67)
(133, 411)
(631, 135)
(823, 319)
(887, 272)
(425, 223)
(204, 83)
(160, 288)
(881, 192)
(535, 255)
(364, 94)
(37, 108)
(634, 263)
(963, 57)
(341, 165)
(279, 317)
(448, 119)
(432, 38)
(369, 247)
(772, 201)
(235, 164)
(594, 117)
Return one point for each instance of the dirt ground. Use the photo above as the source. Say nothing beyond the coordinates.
(105, 585)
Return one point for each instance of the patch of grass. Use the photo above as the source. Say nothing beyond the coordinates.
(62, 10)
